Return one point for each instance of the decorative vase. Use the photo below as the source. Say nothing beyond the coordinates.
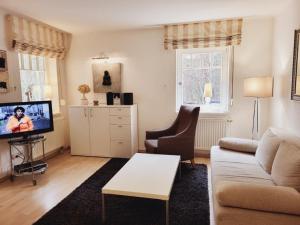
(84, 100)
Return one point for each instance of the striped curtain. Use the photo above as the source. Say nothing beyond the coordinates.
(32, 37)
(203, 34)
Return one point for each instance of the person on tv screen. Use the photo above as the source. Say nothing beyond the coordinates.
(19, 122)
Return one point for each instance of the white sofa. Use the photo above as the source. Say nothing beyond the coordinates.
(252, 183)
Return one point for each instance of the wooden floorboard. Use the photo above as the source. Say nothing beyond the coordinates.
(23, 203)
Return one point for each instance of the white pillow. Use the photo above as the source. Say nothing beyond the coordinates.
(286, 166)
(267, 148)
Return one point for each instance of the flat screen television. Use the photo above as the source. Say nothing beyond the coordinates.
(24, 119)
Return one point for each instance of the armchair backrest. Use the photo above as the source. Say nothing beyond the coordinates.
(187, 119)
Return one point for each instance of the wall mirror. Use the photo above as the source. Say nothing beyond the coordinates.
(296, 69)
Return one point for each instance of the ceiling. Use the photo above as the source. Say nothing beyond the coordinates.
(79, 16)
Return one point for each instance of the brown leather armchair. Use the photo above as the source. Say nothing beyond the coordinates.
(179, 139)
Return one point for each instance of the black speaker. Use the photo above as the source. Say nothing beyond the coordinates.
(126, 98)
(109, 98)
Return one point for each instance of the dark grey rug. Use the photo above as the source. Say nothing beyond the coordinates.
(189, 203)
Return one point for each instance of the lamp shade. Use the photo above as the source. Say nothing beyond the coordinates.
(207, 90)
(259, 87)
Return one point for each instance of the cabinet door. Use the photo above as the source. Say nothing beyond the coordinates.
(99, 131)
(79, 131)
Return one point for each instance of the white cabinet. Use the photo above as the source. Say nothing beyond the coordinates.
(106, 131)
(79, 130)
(99, 134)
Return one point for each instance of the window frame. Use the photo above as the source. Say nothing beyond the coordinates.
(45, 70)
(225, 79)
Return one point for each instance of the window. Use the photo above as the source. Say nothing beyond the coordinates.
(39, 79)
(203, 79)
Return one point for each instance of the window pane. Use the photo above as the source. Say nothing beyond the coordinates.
(216, 59)
(201, 60)
(193, 85)
(186, 60)
(216, 85)
(41, 63)
(33, 62)
(26, 63)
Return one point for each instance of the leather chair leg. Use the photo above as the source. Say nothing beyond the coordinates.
(193, 163)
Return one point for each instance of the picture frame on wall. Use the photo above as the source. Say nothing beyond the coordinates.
(3, 72)
(106, 77)
(3, 61)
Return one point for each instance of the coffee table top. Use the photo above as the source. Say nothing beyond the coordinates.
(145, 176)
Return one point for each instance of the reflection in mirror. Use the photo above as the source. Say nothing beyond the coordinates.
(296, 68)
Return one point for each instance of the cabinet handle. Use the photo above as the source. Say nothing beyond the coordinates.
(85, 114)
(119, 109)
(120, 142)
(119, 117)
(91, 112)
(120, 126)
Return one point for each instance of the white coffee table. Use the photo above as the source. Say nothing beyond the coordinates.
(144, 176)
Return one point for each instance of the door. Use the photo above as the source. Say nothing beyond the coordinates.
(79, 131)
(99, 131)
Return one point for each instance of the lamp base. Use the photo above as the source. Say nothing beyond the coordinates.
(207, 100)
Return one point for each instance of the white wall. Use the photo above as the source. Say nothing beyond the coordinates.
(13, 94)
(149, 71)
(55, 138)
(284, 112)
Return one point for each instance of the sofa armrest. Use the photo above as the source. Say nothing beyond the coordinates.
(266, 198)
(239, 144)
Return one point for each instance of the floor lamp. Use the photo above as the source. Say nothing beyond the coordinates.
(258, 87)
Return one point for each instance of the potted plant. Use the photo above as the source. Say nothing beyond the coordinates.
(84, 89)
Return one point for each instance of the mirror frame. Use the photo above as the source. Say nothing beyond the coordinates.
(296, 62)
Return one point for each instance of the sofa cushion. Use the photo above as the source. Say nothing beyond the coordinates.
(239, 144)
(267, 149)
(230, 165)
(286, 166)
(258, 197)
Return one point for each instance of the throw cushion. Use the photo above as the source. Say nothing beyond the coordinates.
(267, 148)
(239, 144)
(258, 197)
(286, 166)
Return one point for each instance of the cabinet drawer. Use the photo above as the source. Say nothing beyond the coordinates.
(120, 148)
(119, 119)
(119, 131)
(119, 111)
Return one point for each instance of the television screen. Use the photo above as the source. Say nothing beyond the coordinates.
(25, 118)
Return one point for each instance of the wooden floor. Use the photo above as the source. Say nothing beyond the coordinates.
(21, 203)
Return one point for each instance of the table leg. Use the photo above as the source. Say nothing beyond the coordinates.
(179, 170)
(103, 209)
(167, 212)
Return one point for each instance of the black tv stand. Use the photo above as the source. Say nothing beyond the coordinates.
(28, 165)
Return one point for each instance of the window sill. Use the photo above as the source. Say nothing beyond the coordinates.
(213, 114)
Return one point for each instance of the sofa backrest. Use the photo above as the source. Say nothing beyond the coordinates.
(287, 136)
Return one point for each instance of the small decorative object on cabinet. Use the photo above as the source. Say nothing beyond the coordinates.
(84, 89)
(295, 95)
(104, 130)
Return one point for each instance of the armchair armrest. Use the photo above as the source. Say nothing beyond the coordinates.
(239, 144)
(157, 134)
(276, 199)
(179, 144)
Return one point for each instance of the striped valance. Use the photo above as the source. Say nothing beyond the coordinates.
(203, 34)
(36, 38)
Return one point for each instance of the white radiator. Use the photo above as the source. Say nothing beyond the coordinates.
(209, 131)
